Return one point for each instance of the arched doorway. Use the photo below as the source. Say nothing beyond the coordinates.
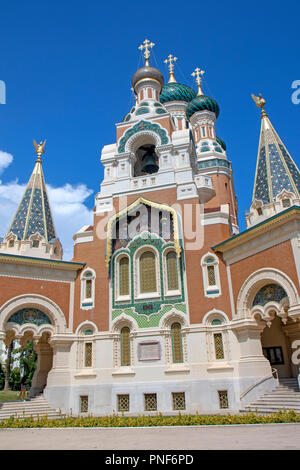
(32, 324)
(271, 304)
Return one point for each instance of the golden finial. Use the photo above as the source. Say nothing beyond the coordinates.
(39, 148)
(170, 61)
(198, 73)
(260, 103)
(146, 44)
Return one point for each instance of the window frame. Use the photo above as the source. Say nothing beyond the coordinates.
(137, 275)
(118, 296)
(211, 290)
(87, 303)
(171, 292)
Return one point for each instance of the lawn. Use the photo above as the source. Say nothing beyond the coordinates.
(9, 395)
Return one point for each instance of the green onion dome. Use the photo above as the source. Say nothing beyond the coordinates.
(221, 142)
(202, 103)
(176, 92)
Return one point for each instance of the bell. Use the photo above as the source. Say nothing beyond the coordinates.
(149, 164)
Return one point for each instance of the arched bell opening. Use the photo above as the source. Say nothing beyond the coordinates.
(146, 160)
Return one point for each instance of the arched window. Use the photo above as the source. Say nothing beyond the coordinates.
(177, 352)
(147, 273)
(88, 289)
(211, 277)
(172, 271)
(219, 348)
(124, 276)
(125, 346)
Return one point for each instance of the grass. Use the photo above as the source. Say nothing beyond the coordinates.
(9, 395)
(145, 421)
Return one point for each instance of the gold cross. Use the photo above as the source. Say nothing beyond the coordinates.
(198, 73)
(146, 44)
(170, 61)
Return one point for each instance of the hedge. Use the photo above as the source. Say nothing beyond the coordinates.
(143, 421)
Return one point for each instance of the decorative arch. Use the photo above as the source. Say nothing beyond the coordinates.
(50, 308)
(121, 321)
(155, 130)
(256, 281)
(214, 314)
(141, 200)
(86, 325)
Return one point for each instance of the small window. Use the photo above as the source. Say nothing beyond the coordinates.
(219, 349)
(88, 353)
(211, 275)
(172, 271)
(125, 346)
(35, 243)
(216, 321)
(178, 401)
(11, 243)
(124, 276)
(88, 289)
(223, 399)
(286, 203)
(203, 131)
(259, 211)
(123, 403)
(176, 342)
(150, 402)
(84, 404)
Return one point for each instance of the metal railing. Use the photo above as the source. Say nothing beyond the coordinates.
(274, 375)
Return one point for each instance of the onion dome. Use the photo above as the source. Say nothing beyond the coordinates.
(221, 142)
(147, 72)
(202, 103)
(176, 92)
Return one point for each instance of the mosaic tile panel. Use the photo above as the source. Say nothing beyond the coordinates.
(29, 315)
(268, 293)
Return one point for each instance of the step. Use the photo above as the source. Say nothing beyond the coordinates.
(271, 409)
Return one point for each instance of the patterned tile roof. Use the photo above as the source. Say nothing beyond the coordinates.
(33, 213)
(275, 170)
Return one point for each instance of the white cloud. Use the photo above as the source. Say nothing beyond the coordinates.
(5, 160)
(67, 206)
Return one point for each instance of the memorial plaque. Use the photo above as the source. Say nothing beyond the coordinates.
(149, 351)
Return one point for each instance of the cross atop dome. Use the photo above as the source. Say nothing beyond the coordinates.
(198, 77)
(145, 46)
(170, 61)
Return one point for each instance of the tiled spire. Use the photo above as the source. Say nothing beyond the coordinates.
(33, 213)
(276, 170)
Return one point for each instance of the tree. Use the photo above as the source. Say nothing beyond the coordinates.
(28, 362)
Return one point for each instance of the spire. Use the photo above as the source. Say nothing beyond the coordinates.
(33, 214)
(276, 171)
(170, 61)
(198, 74)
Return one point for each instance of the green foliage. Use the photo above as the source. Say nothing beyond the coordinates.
(28, 362)
(15, 379)
(144, 421)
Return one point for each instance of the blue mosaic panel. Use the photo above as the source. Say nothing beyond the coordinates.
(279, 177)
(29, 315)
(140, 126)
(19, 222)
(292, 167)
(261, 186)
(268, 293)
(36, 220)
(49, 220)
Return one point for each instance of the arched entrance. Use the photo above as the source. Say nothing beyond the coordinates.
(270, 307)
(33, 323)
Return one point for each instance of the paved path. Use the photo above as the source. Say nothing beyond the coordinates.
(272, 436)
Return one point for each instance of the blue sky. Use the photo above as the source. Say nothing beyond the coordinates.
(68, 67)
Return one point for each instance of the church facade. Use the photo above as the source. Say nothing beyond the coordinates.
(166, 305)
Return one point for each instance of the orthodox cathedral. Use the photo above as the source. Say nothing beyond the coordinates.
(166, 306)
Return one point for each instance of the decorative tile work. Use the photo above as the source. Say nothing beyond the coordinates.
(123, 403)
(151, 321)
(178, 399)
(261, 183)
(223, 399)
(268, 293)
(176, 92)
(141, 126)
(150, 402)
(29, 315)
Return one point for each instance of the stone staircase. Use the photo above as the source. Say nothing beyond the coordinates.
(285, 395)
(37, 406)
